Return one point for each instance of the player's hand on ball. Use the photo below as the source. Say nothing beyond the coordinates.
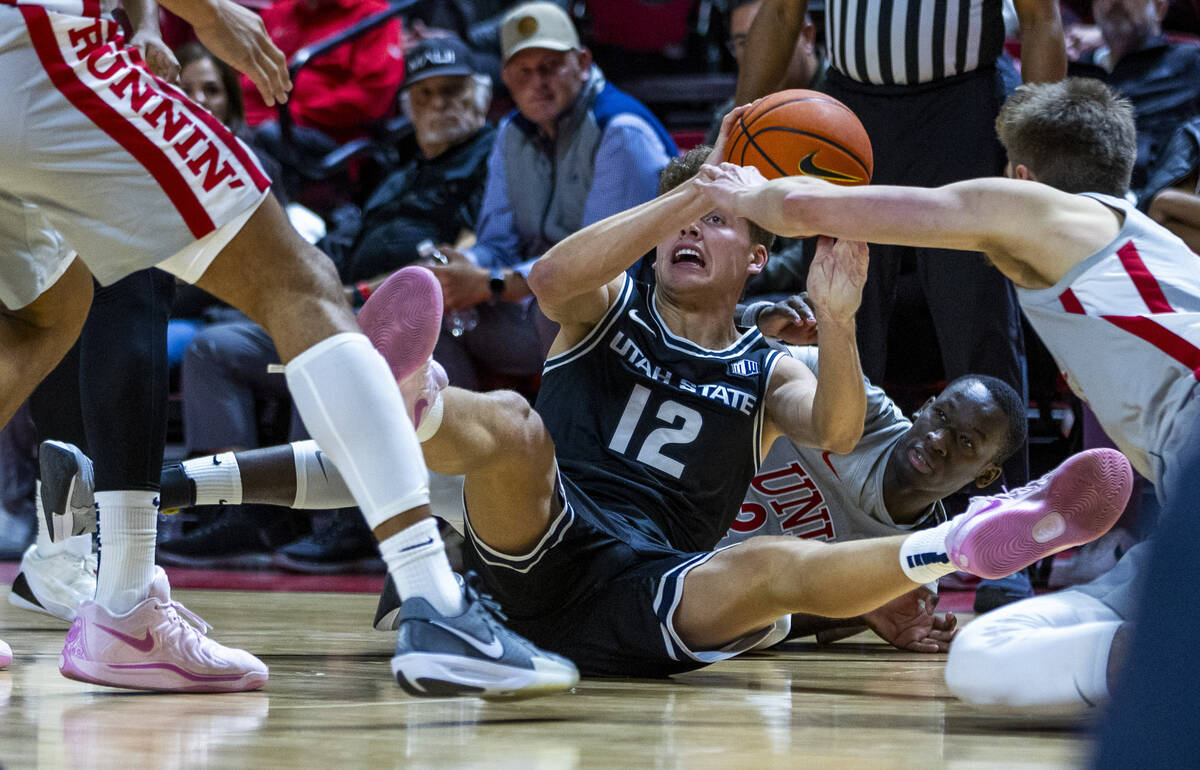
(727, 123)
(237, 36)
(159, 58)
(836, 278)
(790, 321)
(910, 623)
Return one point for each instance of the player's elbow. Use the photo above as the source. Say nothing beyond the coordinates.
(550, 284)
(840, 437)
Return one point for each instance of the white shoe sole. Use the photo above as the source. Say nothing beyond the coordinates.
(433, 675)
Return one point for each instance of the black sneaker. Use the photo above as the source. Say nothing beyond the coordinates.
(346, 544)
(68, 490)
(237, 537)
(472, 654)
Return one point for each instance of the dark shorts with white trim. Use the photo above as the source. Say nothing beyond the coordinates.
(597, 590)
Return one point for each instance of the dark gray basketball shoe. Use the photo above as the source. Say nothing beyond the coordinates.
(68, 490)
(472, 654)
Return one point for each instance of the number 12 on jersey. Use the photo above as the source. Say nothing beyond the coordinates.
(684, 425)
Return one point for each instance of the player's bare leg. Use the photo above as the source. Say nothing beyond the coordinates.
(36, 337)
(499, 443)
(747, 587)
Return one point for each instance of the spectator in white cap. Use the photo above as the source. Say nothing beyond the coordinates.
(575, 151)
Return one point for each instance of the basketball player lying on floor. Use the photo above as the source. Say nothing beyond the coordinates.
(891, 481)
(1116, 299)
(587, 518)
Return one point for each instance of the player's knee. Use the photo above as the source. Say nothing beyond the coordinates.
(521, 431)
(982, 669)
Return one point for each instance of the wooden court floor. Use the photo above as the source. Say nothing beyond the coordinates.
(331, 703)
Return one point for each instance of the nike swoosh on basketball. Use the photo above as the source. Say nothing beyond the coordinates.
(809, 168)
(637, 319)
(145, 644)
(493, 649)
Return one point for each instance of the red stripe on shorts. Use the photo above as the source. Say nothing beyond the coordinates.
(1160, 337)
(113, 123)
(1071, 303)
(1143, 279)
(261, 181)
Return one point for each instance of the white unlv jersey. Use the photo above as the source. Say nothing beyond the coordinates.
(819, 495)
(1124, 326)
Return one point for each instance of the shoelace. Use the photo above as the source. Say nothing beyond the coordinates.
(471, 588)
(195, 624)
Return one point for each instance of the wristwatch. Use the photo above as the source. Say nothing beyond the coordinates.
(496, 283)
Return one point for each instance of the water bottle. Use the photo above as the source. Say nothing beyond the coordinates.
(454, 321)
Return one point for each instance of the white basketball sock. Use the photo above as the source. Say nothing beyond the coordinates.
(416, 559)
(78, 545)
(923, 554)
(128, 523)
(217, 478)
(319, 485)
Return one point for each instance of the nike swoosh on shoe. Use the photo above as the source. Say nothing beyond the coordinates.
(493, 649)
(145, 644)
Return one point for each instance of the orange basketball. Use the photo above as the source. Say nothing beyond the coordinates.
(802, 132)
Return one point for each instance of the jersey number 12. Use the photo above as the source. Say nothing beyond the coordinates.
(670, 412)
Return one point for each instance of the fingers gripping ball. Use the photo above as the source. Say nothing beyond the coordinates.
(802, 132)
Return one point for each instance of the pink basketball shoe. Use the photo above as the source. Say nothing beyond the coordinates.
(1073, 504)
(403, 319)
(5, 654)
(152, 648)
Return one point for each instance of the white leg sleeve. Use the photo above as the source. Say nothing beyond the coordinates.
(1049, 652)
(319, 485)
(349, 402)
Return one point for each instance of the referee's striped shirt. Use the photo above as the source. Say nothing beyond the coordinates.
(903, 42)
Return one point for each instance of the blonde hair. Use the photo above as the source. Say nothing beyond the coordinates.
(1076, 135)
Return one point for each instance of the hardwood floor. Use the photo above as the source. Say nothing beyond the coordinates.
(331, 703)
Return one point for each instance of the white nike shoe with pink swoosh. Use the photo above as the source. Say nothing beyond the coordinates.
(1073, 504)
(153, 647)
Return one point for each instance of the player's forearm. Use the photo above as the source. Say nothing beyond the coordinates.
(196, 12)
(143, 16)
(769, 45)
(1043, 46)
(840, 402)
(599, 253)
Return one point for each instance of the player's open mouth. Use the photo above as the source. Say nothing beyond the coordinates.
(917, 458)
(686, 254)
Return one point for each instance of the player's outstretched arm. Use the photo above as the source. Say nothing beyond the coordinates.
(1043, 46)
(769, 46)
(828, 412)
(1031, 232)
(237, 36)
(577, 279)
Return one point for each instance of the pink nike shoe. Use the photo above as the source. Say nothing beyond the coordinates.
(403, 319)
(151, 647)
(1073, 504)
(5, 654)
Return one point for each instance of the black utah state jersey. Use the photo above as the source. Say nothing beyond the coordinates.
(655, 428)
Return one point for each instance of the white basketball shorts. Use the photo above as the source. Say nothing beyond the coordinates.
(99, 157)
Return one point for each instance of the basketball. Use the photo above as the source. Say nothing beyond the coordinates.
(802, 132)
